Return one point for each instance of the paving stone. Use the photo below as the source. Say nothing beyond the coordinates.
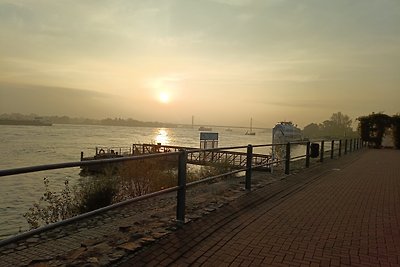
(332, 213)
(345, 211)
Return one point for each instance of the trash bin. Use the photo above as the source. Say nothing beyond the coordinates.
(314, 153)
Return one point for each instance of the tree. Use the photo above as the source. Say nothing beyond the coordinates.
(311, 130)
(338, 126)
(373, 127)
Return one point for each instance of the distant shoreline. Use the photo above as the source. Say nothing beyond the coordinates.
(25, 122)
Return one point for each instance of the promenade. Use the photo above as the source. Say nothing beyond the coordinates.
(343, 213)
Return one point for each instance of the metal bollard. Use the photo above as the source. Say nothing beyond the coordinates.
(181, 194)
(249, 170)
(287, 161)
(321, 159)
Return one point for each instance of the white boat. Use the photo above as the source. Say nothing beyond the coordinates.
(251, 128)
(202, 128)
(284, 132)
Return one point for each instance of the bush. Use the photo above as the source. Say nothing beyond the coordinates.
(396, 130)
(140, 177)
(96, 192)
(93, 193)
(52, 207)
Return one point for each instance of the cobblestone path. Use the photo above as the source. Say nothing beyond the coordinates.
(346, 213)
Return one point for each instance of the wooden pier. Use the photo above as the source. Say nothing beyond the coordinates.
(235, 159)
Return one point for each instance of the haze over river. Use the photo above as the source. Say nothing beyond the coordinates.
(23, 146)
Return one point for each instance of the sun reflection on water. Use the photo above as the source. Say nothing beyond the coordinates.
(162, 136)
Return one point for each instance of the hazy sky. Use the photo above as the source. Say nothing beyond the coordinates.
(222, 61)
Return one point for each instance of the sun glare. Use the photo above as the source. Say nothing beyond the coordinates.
(164, 97)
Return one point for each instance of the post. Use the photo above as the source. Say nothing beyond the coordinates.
(345, 146)
(81, 155)
(181, 194)
(332, 147)
(249, 170)
(287, 162)
(97, 150)
(351, 145)
(321, 159)
(308, 155)
(354, 144)
(340, 148)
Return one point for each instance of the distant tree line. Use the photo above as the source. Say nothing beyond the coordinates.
(68, 120)
(338, 126)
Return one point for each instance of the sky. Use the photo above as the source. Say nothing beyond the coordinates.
(221, 61)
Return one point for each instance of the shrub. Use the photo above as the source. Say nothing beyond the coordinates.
(91, 194)
(52, 207)
(96, 192)
(396, 130)
(141, 177)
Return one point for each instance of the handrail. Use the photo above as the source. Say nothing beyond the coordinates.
(64, 165)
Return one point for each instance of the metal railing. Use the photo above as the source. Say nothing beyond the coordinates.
(347, 146)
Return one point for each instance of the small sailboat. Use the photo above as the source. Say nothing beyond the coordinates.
(251, 128)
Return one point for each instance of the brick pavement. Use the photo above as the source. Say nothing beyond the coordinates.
(346, 214)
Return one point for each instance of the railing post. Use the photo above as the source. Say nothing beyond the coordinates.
(181, 195)
(351, 145)
(340, 148)
(308, 155)
(287, 162)
(321, 159)
(249, 170)
(332, 147)
(345, 146)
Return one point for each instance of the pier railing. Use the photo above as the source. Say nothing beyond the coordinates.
(326, 149)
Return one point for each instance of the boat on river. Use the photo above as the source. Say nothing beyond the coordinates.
(251, 128)
(286, 131)
(202, 128)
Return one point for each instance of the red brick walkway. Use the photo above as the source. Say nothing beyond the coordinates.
(349, 215)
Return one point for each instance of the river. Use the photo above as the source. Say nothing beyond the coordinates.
(23, 146)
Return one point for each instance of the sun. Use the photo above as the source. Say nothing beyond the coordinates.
(164, 97)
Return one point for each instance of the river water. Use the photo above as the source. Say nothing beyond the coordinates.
(23, 146)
